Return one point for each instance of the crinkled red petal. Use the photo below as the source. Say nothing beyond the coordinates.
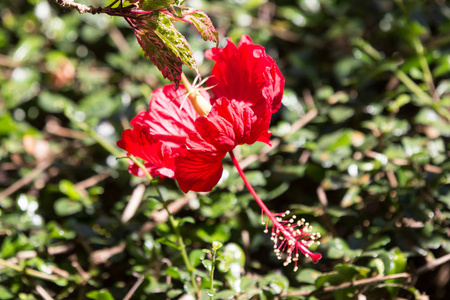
(246, 73)
(230, 123)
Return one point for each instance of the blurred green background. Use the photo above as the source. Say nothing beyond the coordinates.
(361, 149)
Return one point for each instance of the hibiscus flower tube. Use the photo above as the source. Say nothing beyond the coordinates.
(186, 133)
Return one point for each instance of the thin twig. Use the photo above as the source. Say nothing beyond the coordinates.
(52, 126)
(91, 181)
(43, 293)
(9, 62)
(433, 264)
(74, 259)
(101, 256)
(81, 8)
(134, 288)
(133, 203)
(345, 285)
(324, 216)
(428, 267)
(41, 167)
(308, 117)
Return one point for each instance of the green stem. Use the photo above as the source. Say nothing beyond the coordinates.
(108, 147)
(428, 77)
(412, 86)
(211, 274)
(28, 271)
(173, 224)
(181, 245)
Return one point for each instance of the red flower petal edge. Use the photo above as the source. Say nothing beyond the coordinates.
(246, 73)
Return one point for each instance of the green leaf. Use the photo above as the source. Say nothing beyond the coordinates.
(66, 207)
(172, 294)
(200, 20)
(225, 294)
(100, 104)
(216, 246)
(163, 44)
(7, 124)
(186, 220)
(5, 293)
(338, 248)
(210, 293)
(277, 283)
(378, 265)
(207, 264)
(209, 234)
(196, 255)
(307, 275)
(100, 295)
(167, 242)
(379, 242)
(156, 4)
(69, 189)
(52, 102)
(173, 272)
(341, 113)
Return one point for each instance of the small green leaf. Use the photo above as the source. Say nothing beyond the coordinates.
(216, 246)
(7, 124)
(206, 251)
(207, 264)
(66, 207)
(69, 189)
(210, 293)
(5, 293)
(100, 295)
(171, 294)
(308, 275)
(52, 102)
(195, 256)
(173, 272)
(186, 220)
(277, 283)
(220, 232)
(165, 241)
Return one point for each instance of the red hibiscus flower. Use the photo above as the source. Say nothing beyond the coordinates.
(187, 140)
(177, 142)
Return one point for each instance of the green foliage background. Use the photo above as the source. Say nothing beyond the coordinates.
(361, 151)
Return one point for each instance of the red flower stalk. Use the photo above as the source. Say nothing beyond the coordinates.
(287, 235)
(186, 141)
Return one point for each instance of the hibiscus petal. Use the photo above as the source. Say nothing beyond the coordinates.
(230, 123)
(246, 73)
(158, 156)
(171, 115)
(198, 171)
